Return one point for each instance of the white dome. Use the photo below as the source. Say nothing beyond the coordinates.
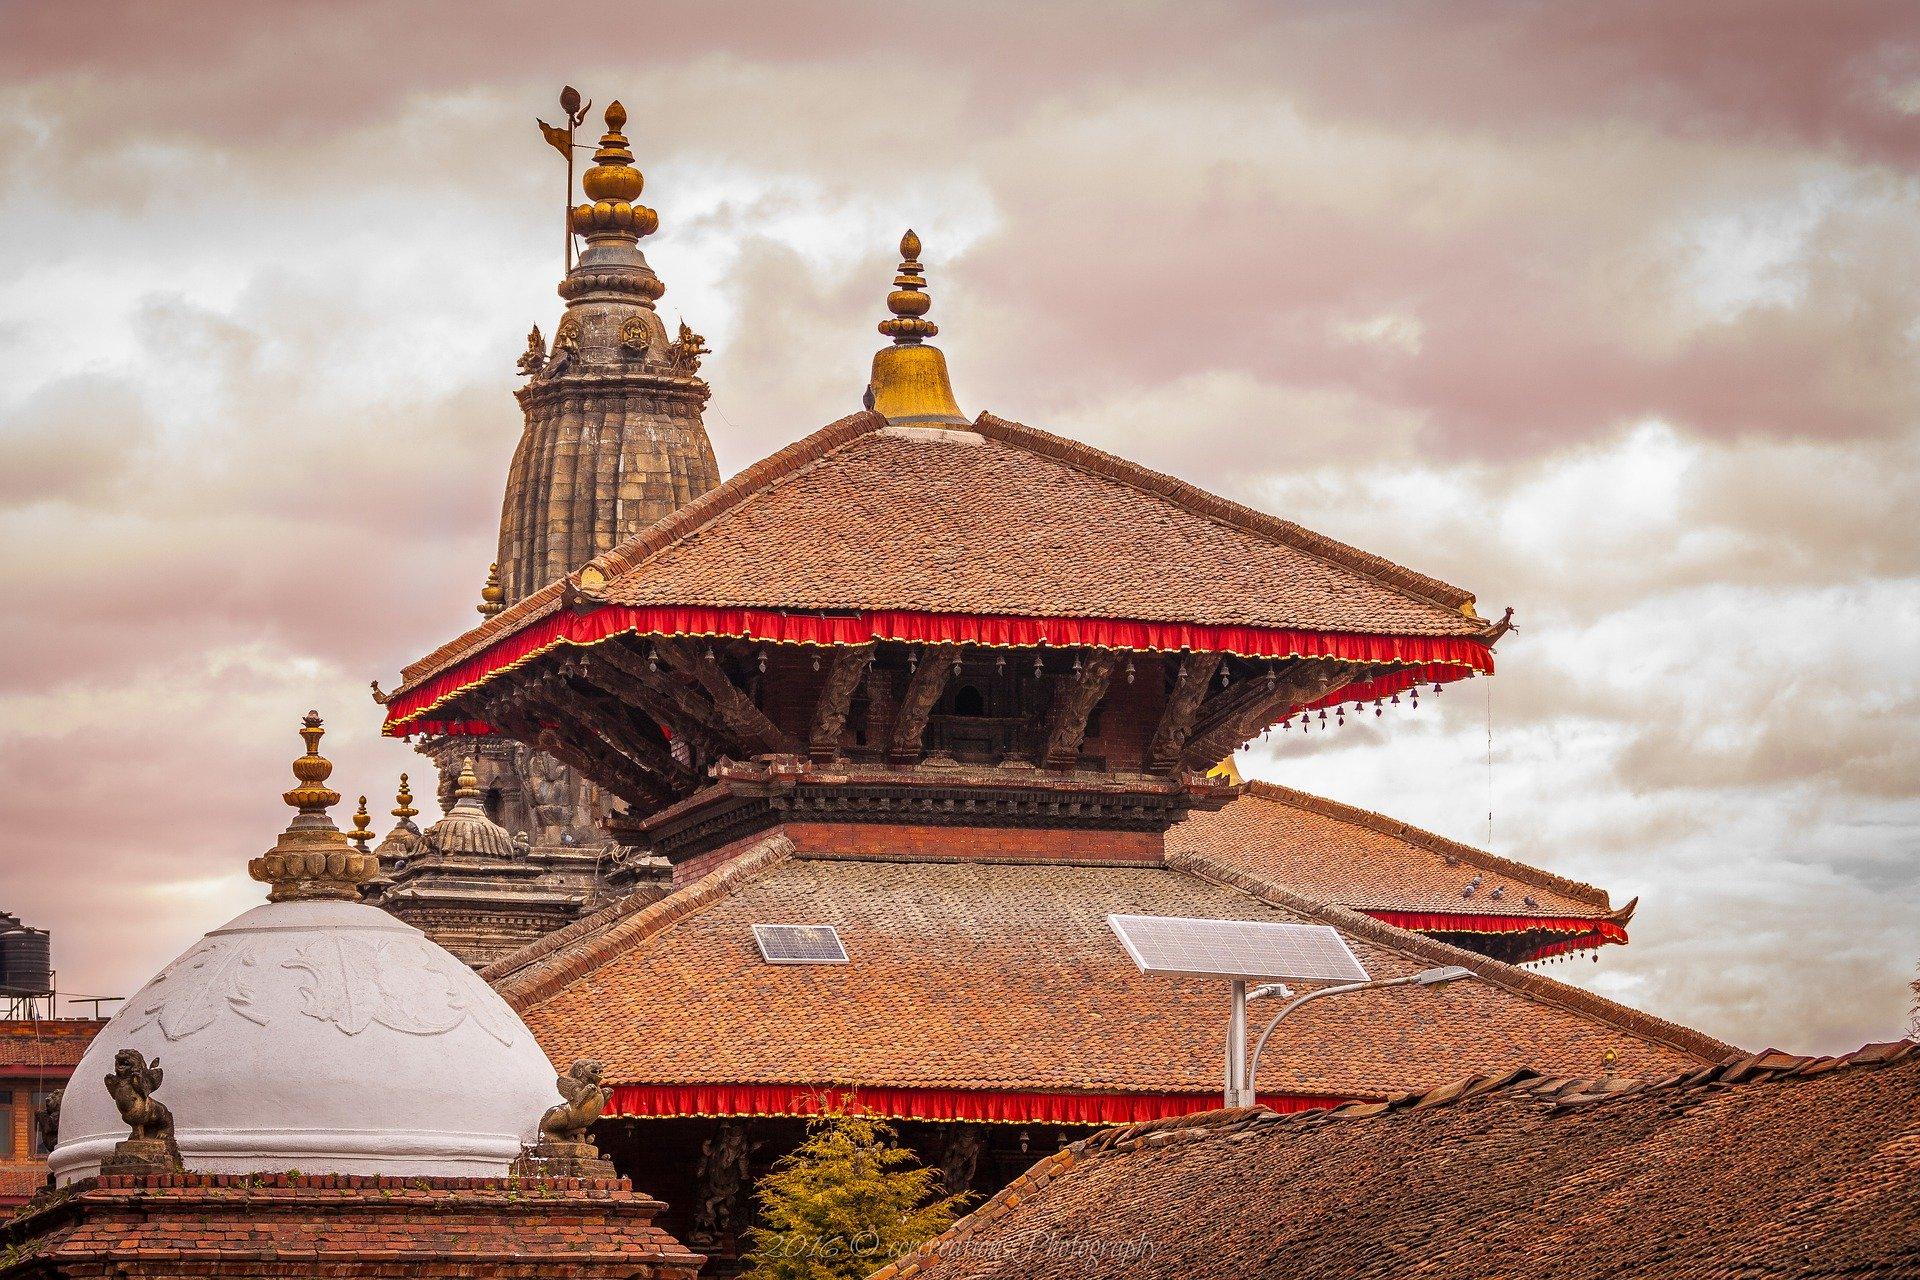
(324, 1036)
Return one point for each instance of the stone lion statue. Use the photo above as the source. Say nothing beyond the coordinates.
(131, 1086)
(585, 1098)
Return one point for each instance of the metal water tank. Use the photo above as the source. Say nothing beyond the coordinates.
(26, 962)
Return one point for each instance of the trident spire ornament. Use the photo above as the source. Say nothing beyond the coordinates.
(573, 111)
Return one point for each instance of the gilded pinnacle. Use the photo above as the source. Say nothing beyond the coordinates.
(493, 596)
(403, 802)
(360, 835)
(909, 301)
(613, 185)
(909, 386)
(312, 770)
(312, 859)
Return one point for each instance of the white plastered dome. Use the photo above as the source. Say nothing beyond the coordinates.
(319, 1034)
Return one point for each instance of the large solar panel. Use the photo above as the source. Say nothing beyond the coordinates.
(1237, 949)
(799, 944)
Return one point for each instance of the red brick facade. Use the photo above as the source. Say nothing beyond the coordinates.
(289, 1227)
(35, 1058)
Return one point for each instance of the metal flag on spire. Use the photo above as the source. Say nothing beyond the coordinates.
(573, 111)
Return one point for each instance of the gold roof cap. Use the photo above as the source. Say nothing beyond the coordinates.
(312, 859)
(613, 185)
(361, 834)
(910, 386)
(403, 802)
(493, 597)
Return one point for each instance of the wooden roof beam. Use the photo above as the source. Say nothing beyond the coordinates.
(521, 714)
(661, 698)
(623, 728)
(1073, 704)
(929, 680)
(830, 710)
(735, 709)
(1190, 682)
(1252, 705)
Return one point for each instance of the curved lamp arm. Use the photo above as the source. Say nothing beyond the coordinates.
(1426, 978)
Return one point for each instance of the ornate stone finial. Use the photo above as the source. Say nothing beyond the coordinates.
(909, 301)
(360, 835)
(467, 785)
(613, 184)
(312, 859)
(149, 1146)
(403, 802)
(493, 597)
(909, 386)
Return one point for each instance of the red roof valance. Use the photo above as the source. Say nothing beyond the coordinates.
(1428, 658)
(661, 1101)
(1581, 933)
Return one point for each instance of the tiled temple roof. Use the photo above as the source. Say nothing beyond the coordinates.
(1772, 1166)
(1366, 860)
(54, 1045)
(998, 519)
(977, 975)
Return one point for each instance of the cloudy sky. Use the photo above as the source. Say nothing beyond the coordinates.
(1607, 312)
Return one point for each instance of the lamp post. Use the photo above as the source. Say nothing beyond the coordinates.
(1239, 1091)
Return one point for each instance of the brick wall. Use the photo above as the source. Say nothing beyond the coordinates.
(281, 1226)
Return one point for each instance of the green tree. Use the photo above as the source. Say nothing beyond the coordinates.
(844, 1203)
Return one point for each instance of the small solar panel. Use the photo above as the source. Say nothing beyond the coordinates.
(799, 944)
(1237, 949)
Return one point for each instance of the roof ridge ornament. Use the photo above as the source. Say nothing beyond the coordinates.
(312, 859)
(909, 386)
(493, 597)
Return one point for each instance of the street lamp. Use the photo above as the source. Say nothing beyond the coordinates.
(1425, 978)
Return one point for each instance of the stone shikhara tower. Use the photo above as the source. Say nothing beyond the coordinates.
(613, 442)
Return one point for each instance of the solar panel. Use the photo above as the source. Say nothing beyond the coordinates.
(1237, 949)
(799, 944)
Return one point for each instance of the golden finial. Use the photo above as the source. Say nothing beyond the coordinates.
(909, 300)
(910, 386)
(492, 596)
(312, 769)
(360, 835)
(613, 184)
(312, 859)
(403, 802)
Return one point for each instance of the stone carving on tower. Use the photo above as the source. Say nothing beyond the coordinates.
(612, 442)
